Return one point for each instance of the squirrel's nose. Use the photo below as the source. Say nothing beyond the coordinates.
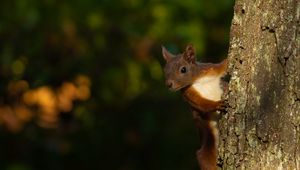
(169, 83)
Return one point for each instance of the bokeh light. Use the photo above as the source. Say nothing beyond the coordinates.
(82, 84)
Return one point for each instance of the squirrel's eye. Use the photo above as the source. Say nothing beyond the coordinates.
(183, 70)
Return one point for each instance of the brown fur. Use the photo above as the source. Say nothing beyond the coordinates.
(203, 108)
(207, 154)
(199, 103)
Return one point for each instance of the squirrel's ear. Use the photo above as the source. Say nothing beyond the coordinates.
(167, 55)
(190, 54)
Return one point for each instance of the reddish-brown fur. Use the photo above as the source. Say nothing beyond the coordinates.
(199, 103)
(203, 108)
(207, 154)
(195, 99)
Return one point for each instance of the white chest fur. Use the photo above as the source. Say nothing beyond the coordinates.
(209, 87)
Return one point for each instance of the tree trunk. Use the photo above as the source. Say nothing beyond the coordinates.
(261, 129)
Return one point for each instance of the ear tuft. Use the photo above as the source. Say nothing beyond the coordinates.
(190, 54)
(166, 54)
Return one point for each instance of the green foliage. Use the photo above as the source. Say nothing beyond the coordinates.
(125, 117)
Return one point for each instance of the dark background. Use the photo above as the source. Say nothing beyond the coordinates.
(82, 85)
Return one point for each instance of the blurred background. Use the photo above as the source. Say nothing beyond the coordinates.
(82, 85)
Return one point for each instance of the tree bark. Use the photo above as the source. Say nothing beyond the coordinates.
(261, 129)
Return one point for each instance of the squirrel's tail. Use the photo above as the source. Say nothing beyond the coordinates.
(208, 132)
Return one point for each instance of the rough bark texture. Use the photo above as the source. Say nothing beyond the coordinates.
(261, 129)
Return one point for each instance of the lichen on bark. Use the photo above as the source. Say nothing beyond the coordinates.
(261, 129)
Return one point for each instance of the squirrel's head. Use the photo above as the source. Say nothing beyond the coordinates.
(179, 68)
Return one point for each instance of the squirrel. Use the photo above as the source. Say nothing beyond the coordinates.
(202, 86)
